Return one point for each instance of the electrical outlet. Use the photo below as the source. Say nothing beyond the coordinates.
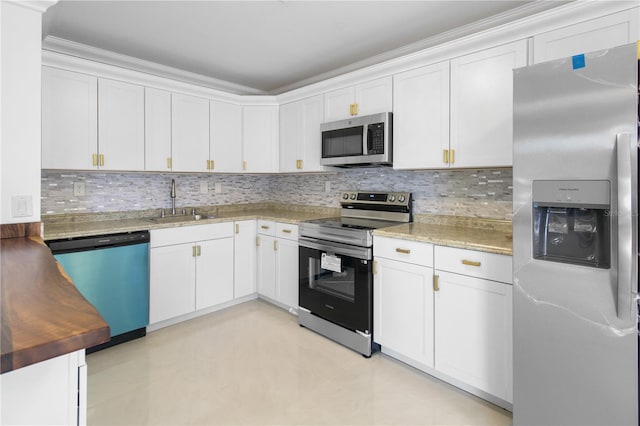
(218, 187)
(78, 189)
(204, 187)
(327, 186)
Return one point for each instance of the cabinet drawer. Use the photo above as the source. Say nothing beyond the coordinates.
(496, 267)
(189, 234)
(403, 250)
(287, 231)
(266, 227)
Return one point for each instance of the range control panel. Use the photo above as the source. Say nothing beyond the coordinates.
(380, 198)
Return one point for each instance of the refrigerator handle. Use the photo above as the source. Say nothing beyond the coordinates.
(627, 224)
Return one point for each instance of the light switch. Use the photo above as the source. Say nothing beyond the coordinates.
(204, 187)
(21, 206)
(327, 186)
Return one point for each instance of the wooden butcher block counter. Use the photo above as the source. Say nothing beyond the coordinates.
(43, 314)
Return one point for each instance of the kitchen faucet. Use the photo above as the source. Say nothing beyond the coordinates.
(173, 197)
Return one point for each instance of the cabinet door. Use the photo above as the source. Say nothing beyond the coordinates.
(596, 34)
(245, 258)
(337, 103)
(226, 137)
(157, 130)
(473, 341)
(173, 282)
(311, 149)
(291, 135)
(403, 309)
(121, 125)
(421, 117)
(214, 272)
(189, 133)
(260, 124)
(266, 271)
(374, 96)
(287, 272)
(69, 119)
(482, 106)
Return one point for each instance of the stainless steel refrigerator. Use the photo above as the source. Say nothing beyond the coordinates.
(575, 252)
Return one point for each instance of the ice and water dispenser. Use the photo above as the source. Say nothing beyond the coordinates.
(571, 222)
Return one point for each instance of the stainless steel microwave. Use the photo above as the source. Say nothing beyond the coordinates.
(358, 141)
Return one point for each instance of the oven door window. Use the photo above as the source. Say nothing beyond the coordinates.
(340, 292)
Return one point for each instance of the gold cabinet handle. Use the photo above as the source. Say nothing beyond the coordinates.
(213, 165)
(436, 283)
(470, 263)
(275, 245)
(101, 160)
(403, 251)
(257, 241)
(374, 267)
(350, 109)
(237, 228)
(264, 227)
(299, 164)
(199, 250)
(286, 231)
(208, 164)
(94, 159)
(244, 165)
(452, 156)
(445, 156)
(193, 251)
(169, 163)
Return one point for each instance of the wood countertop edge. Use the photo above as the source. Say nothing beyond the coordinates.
(43, 314)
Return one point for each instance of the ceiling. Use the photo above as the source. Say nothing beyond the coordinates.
(268, 47)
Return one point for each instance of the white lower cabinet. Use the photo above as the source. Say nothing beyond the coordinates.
(244, 262)
(403, 310)
(51, 392)
(448, 312)
(191, 268)
(473, 319)
(277, 271)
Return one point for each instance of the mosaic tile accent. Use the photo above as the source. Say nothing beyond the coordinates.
(485, 193)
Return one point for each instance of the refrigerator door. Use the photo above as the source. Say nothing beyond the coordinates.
(575, 333)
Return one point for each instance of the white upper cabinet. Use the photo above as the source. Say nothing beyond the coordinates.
(260, 133)
(189, 133)
(482, 106)
(121, 125)
(596, 34)
(69, 119)
(300, 142)
(157, 134)
(225, 149)
(421, 117)
(371, 97)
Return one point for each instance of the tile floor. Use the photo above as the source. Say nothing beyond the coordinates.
(252, 364)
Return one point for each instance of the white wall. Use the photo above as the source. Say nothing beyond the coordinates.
(20, 63)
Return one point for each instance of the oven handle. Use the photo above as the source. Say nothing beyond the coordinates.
(363, 253)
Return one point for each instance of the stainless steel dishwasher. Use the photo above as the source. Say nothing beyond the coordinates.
(112, 273)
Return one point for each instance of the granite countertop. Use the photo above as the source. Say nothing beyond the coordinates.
(108, 223)
(43, 314)
(489, 235)
(492, 236)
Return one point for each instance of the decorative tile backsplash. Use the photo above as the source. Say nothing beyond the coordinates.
(481, 193)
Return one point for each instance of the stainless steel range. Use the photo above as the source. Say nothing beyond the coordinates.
(336, 276)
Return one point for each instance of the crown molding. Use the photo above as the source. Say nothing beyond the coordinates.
(35, 5)
(71, 48)
(444, 48)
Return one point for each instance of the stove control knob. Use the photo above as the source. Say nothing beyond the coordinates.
(353, 196)
(345, 196)
(392, 198)
(402, 198)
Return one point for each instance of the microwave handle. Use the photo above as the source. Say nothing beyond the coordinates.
(365, 139)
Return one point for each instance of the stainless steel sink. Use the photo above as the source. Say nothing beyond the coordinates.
(180, 218)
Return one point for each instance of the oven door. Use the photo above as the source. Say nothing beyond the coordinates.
(336, 283)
